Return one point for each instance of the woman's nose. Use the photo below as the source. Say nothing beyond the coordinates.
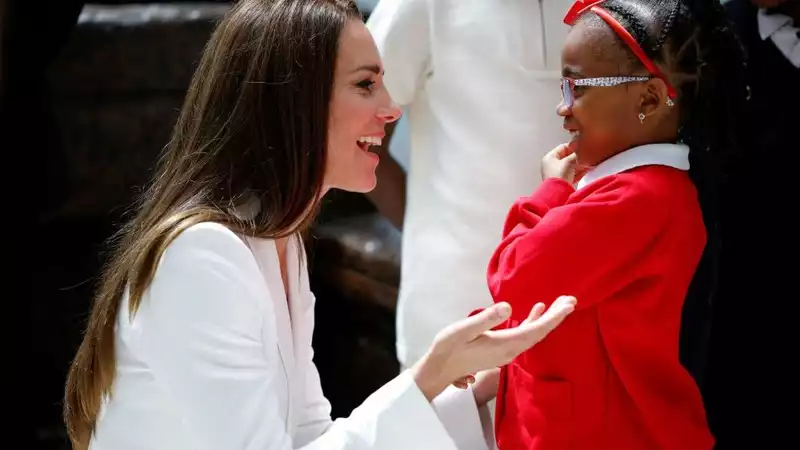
(391, 113)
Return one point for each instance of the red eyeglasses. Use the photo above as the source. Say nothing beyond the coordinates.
(580, 7)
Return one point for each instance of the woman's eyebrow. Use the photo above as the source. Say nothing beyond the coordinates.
(374, 68)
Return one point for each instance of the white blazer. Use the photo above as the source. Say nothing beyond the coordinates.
(217, 358)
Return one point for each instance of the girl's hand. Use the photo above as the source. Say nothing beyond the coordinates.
(485, 387)
(561, 162)
(465, 381)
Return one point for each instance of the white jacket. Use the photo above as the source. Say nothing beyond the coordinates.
(216, 358)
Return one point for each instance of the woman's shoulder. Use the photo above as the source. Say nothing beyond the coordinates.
(209, 269)
(208, 243)
(209, 231)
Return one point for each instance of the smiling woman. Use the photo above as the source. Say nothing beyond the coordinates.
(200, 333)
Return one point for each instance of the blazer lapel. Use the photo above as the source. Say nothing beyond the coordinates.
(267, 257)
(300, 315)
(290, 319)
(298, 301)
(281, 305)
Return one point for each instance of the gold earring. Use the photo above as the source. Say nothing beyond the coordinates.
(641, 117)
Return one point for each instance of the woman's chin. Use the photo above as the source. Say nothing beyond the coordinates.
(359, 185)
(368, 185)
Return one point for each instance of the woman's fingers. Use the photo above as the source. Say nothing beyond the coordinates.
(470, 328)
(470, 345)
(536, 312)
(557, 312)
(532, 332)
(510, 342)
(549, 320)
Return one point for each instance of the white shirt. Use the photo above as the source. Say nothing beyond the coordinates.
(217, 358)
(480, 79)
(781, 29)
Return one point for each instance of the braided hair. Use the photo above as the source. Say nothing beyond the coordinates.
(696, 47)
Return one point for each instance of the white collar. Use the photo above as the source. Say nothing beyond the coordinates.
(783, 32)
(663, 154)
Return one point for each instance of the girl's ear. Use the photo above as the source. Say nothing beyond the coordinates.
(654, 97)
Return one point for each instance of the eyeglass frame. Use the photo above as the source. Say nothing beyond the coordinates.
(568, 85)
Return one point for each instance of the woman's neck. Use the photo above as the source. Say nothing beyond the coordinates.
(282, 245)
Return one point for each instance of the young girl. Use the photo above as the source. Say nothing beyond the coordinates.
(651, 90)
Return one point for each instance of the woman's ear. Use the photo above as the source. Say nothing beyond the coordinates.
(654, 97)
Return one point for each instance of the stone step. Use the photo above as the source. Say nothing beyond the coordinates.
(132, 49)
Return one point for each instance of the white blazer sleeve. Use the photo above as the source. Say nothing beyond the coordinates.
(469, 426)
(200, 328)
(316, 415)
(455, 408)
(401, 29)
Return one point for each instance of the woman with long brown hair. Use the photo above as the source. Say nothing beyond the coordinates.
(200, 334)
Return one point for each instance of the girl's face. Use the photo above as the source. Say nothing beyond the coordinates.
(604, 120)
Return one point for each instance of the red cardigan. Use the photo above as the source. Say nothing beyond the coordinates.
(626, 246)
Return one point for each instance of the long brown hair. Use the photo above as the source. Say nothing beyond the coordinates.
(253, 126)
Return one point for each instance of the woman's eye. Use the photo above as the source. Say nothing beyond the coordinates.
(366, 84)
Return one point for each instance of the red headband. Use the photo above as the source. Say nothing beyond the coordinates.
(580, 7)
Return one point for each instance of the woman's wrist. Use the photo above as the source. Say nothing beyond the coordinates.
(429, 377)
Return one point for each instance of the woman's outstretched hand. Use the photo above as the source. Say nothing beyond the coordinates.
(470, 345)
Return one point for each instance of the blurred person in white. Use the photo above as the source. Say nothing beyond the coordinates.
(479, 80)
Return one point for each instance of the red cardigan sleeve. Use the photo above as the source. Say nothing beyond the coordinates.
(587, 246)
